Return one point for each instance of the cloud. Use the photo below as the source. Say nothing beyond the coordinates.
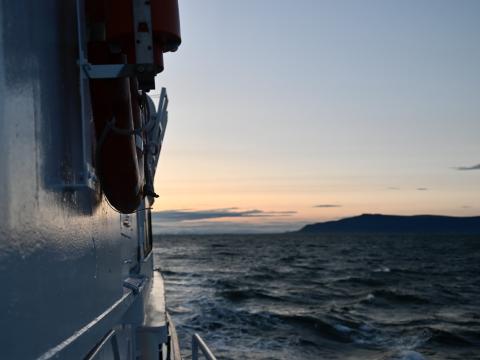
(422, 189)
(327, 206)
(224, 227)
(195, 215)
(466, 168)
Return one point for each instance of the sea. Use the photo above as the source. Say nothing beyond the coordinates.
(295, 296)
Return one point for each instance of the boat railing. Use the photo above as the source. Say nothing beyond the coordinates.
(199, 345)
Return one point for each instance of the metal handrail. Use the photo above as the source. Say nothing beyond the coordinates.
(198, 343)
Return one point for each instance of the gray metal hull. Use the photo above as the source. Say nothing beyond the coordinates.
(65, 254)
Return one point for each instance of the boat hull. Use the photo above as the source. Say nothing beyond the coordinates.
(66, 256)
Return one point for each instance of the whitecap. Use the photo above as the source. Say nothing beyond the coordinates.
(407, 355)
(342, 328)
(180, 310)
(366, 327)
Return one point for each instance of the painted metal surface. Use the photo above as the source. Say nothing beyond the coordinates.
(142, 20)
(199, 346)
(64, 252)
(155, 312)
(154, 329)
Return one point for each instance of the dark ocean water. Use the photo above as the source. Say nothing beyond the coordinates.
(325, 297)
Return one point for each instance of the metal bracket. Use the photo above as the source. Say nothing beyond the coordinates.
(81, 175)
(88, 180)
(134, 283)
(114, 71)
(162, 116)
(154, 138)
(144, 68)
(110, 71)
(142, 22)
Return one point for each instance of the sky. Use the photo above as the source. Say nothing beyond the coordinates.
(284, 113)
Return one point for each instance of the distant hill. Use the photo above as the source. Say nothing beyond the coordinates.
(377, 223)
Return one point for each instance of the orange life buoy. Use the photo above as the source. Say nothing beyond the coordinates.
(119, 163)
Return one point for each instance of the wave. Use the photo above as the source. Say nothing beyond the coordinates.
(226, 253)
(403, 355)
(336, 331)
(260, 277)
(218, 245)
(397, 297)
(289, 299)
(242, 295)
(170, 273)
(444, 337)
(362, 281)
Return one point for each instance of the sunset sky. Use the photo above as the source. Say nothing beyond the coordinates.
(289, 112)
